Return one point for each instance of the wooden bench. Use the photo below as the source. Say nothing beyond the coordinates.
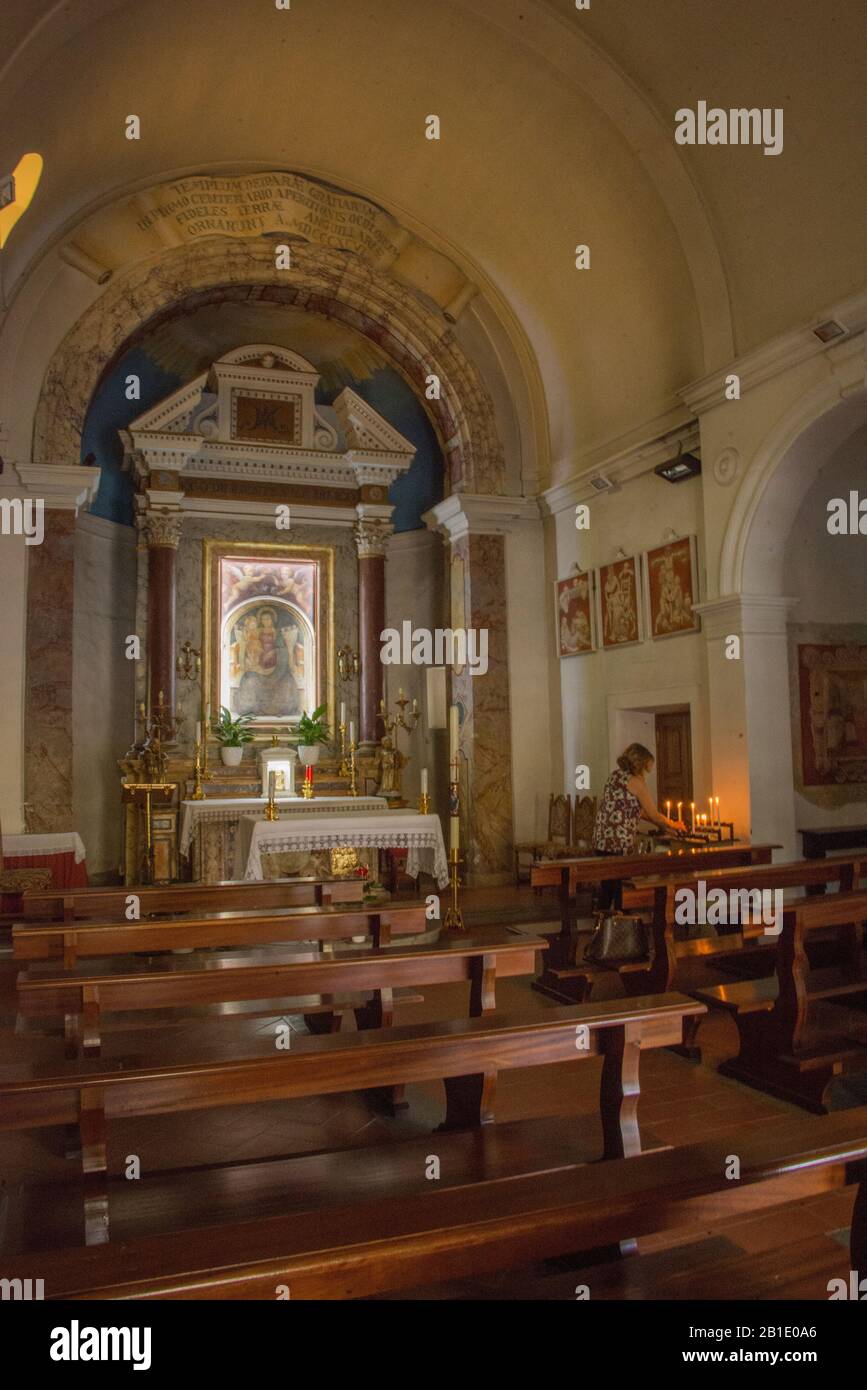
(568, 875)
(84, 996)
(669, 955)
(101, 904)
(796, 1031)
(467, 1055)
(365, 1248)
(73, 941)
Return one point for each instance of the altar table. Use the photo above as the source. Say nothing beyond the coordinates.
(209, 828)
(421, 836)
(62, 852)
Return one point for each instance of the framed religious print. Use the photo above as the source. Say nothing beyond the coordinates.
(832, 681)
(670, 586)
(618, 603)
(574, 615)
(267, 622)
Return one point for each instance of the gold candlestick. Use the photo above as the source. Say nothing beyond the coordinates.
(424, 804)
(307, 784)
(353, 769)
(271, 812)
(198, 792)
(343, 769)
(454, 920)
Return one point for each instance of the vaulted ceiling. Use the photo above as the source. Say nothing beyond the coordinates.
(557, 129)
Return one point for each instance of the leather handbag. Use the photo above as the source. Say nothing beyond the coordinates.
(618, 936)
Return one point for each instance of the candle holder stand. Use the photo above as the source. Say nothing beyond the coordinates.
(343, 769)
(353, 769)
(198, 791)
(307, 786)
(424, 804)
(454, 919)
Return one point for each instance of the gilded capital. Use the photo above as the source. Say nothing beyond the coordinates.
(371, 535)
(161, 526)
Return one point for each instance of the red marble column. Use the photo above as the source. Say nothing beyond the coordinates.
(162, 532)
(371, 538)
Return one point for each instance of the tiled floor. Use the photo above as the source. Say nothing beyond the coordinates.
(681, 1102)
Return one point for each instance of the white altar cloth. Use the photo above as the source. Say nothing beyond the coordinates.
(61, 842)
(422, 836)
(227, 810)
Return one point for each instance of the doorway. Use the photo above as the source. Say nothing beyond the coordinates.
(674, 757)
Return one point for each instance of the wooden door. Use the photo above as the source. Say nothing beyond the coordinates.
(673, 758)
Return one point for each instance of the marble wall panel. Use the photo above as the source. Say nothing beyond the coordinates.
(48, 731)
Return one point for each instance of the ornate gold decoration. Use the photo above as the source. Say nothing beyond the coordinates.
(161, 526)
(371, 535)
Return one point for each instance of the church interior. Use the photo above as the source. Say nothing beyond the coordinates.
(434, 651)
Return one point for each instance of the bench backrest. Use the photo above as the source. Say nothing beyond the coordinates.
(63, 904)
(75, 940)
(597, 869)
(376, 1246)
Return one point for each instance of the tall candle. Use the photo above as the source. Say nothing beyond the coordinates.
(453, 734)
(692, 811)
(454, 832)
(198, 731)
(343, 711)
(351, 732)
(668, 809)
(718, 821)
(272, 784)
(424, 781)
(710, 808)
(679, 805)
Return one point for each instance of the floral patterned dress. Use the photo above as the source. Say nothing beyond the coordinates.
(617, 818)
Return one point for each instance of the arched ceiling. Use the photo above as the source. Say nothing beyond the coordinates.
(557, 128)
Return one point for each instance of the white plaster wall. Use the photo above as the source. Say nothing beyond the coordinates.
(102, 684)
(648, 675)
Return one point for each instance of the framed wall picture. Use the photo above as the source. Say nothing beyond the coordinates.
(832, 681)
(576, 627)
(619, 606)
(671, 588)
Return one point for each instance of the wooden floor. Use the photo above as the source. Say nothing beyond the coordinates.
(681, 1102)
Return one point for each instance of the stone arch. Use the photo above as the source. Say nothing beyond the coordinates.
(409, 330)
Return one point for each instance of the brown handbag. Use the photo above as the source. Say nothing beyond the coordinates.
(618, 936)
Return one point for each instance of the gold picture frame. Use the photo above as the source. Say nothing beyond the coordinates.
(214, 552)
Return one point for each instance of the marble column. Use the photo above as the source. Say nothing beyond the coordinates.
(48, 729)
(371, 539)
(477, 528)
(161, 529)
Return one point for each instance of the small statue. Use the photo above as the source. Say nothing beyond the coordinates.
(390, 764)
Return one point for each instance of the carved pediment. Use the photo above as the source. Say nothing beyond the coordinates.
(254, 414)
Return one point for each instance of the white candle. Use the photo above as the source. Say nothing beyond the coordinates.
(400, 693)
(718, 821)
(272, 784)
(343, 711)
(454, 832)
(351, 731)
(424, 781)
(453, 734)
(198, 731)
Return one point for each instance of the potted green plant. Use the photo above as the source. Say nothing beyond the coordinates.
(312, 731)
(232, 733)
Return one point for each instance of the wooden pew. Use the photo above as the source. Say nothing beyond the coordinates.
(661, 972)
(73, 941)
(568, 875)
(480, 1227)
(84, 996)
(796, 1031)
(467, 1055)
(101, 904)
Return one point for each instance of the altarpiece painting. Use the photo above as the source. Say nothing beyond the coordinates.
(267, 622)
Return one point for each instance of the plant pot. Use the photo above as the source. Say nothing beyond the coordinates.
(231, 756)
(308, 754)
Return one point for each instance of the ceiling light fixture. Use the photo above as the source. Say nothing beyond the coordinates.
(677, 470)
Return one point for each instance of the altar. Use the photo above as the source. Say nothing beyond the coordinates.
(420, 835)
(209, 837)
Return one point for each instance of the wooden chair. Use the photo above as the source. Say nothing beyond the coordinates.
(570, 831)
